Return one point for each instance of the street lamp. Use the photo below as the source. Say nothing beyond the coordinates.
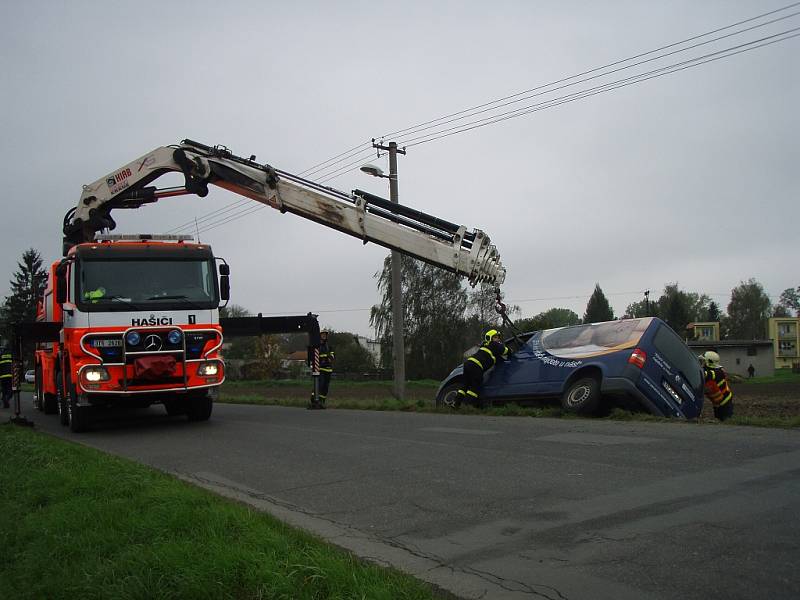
(397, 297)
(374, 170)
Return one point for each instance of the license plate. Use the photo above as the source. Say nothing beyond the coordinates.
(106, 343)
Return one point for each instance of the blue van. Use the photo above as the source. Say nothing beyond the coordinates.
(638, 364)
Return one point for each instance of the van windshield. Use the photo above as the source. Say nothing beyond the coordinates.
(678, 355)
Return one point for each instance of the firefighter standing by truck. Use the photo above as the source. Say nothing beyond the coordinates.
(325, 371)
(716, 386)
(491, 350)
(6, 375)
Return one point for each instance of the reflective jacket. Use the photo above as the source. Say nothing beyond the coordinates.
(716, 386)
(325, 358)
(5, 364)
(487, 355)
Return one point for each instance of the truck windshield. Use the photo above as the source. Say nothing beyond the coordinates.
(146, 284)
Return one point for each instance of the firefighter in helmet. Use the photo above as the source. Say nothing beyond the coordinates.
(716, 386)
(490, 351)
(325, 371)
(6, 375)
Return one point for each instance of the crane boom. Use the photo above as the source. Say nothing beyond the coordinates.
(359, 214)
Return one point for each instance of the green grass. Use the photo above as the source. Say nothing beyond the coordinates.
(77, 523)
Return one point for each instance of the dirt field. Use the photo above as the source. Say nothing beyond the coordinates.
(763, 400)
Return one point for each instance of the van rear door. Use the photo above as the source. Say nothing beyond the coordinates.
(671, 371)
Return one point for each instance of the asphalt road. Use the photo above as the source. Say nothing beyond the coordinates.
(501, 508)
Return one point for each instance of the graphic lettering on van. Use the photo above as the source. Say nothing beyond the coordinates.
(151, 321)
(548, 359)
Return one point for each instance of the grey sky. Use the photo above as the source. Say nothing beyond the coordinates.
(691, 177)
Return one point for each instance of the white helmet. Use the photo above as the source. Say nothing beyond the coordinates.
(712, 358)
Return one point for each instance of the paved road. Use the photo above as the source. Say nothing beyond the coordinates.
(505, 508)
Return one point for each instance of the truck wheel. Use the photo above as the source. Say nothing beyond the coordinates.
(38, 394)
(582, 396)
(43, 401)
(78, 416)
(61, 401)
(447, 399)
(198, 408)
(175, 407)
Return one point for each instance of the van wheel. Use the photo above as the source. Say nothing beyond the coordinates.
(582, 396)
(447, 399)
(199, 408)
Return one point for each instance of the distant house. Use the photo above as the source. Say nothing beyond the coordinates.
(296, 358)
(736, 356)
(785, 334)
(705, 331)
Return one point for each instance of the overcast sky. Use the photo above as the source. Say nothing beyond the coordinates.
(691, 177)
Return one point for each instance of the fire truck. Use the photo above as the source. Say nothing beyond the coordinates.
(133, 320)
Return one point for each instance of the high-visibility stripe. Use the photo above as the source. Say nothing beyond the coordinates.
(476, 361)
(485, 349)
(326, 370)
(471, 393)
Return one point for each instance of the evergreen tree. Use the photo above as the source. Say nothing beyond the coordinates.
(676, 307)
(598, 309)
(27, 288)
(790, 300)
(713, 314)
(748, 311)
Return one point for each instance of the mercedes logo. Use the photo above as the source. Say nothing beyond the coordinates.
(152, 342)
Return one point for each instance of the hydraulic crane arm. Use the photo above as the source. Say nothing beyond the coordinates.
(360, 214)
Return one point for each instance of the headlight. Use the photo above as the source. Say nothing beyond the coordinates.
(208, 369)
(94, 374)
(133, 338)
(174, 337)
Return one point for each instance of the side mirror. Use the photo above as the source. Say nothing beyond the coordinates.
(61, 284)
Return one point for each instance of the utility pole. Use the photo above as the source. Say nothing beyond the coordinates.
(399, 350)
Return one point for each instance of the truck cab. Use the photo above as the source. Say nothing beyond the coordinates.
(140, 325)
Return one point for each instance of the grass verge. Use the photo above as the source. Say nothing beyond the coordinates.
(77, 523)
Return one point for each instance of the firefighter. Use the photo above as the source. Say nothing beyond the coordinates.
(478, 364)
(325, 371)
(716, 386)
(6, 375)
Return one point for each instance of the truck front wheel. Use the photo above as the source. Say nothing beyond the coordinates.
(78, 417)
(198, 408)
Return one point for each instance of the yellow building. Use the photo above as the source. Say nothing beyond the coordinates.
(703, 331)
(785, 335)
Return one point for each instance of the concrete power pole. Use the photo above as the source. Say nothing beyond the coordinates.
(398, 349)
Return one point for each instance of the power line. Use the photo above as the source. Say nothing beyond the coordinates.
(603, 67)
(606, 87)
(322, 167)
(404, 139)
